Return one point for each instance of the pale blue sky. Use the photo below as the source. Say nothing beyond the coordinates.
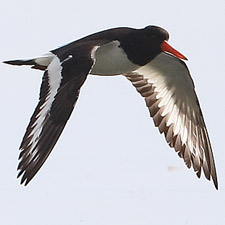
(110, 166)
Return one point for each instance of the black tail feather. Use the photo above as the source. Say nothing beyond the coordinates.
(29, 62)
(20, 62)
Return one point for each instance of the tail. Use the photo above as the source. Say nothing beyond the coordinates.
(40, 63)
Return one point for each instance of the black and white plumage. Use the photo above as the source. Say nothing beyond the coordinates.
(141, 55)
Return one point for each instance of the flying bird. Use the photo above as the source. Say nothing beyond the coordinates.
(153, 67)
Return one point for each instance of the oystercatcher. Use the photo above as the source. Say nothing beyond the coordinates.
(146, 59)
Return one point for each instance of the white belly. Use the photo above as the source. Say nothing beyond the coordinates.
(111, 60)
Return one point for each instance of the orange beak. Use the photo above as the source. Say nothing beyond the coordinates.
(166, 47)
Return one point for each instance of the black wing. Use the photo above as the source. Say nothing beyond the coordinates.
(59, 92)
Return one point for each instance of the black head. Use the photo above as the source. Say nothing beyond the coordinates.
(143, 45)
(156, 34)
(159, 37)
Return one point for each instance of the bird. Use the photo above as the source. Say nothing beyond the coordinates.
(156, 69)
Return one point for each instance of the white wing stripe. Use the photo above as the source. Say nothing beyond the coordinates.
(54, 79)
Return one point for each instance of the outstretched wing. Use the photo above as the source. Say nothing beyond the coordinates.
(59, 92)
(168, 89)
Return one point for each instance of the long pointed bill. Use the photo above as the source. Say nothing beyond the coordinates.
(166, 47)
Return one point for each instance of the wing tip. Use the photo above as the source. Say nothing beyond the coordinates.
(215, 181)
(24, 179)
(214, 178)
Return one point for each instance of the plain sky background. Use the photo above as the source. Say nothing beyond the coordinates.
(110, 166)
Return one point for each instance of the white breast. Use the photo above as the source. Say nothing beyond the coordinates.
(110, 59)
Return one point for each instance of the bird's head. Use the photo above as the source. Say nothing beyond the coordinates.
(159, 37)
